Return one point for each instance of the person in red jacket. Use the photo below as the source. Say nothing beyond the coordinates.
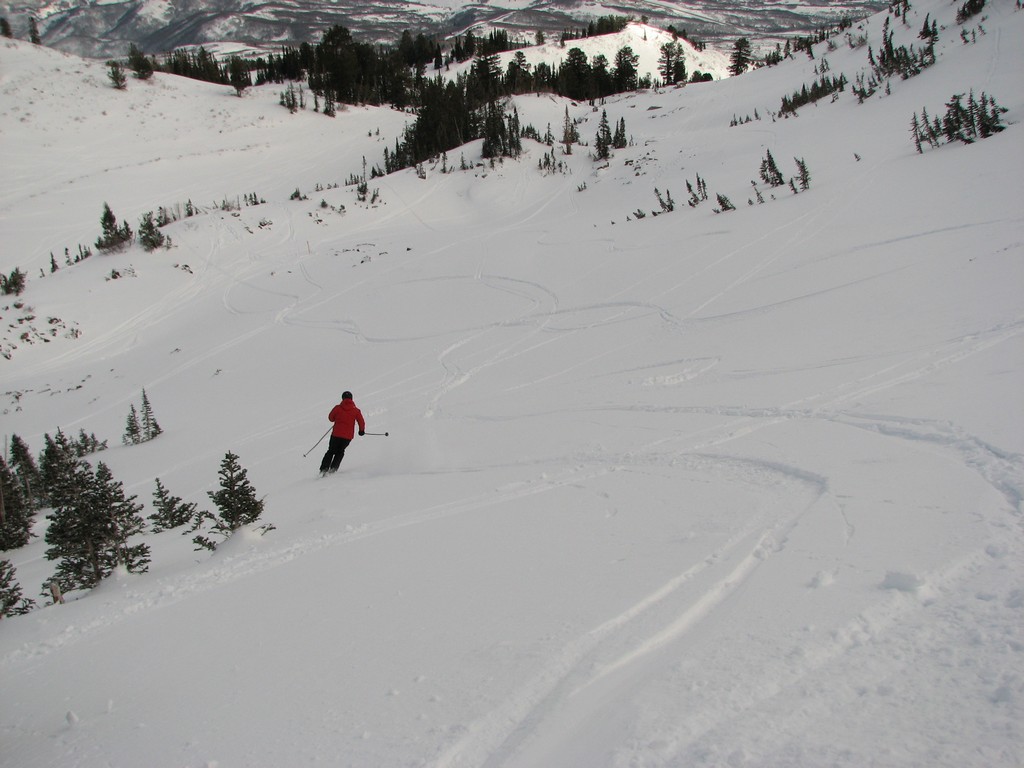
(345, 416)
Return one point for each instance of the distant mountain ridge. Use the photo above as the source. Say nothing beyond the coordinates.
(106, 29)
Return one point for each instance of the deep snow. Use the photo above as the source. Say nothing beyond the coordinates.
(696, 490)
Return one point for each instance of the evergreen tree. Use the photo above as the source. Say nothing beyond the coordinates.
(13, 283)
(15, 512)
(672, 63)
(23, 464)
(87, 444)
(90, 530)
(75, 532)
(603, 143)
(574, 76)
(236, 501)
(5, 27)
(238, 74)
(741, 57)
(625, 69)
(150, 235)
(113, 236)
(33, 31)
(171, 511)
(150, 428)
(139, 63)
(116, 74)
(570, 134)
(968, 9)
(126, 518)
(915, 132)
(770, 173)
(132, 429)
(619, 140)
(725, 204)
(803, 175)
(58, 464)
(11, 601)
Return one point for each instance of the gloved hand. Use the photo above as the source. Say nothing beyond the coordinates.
(361, 433)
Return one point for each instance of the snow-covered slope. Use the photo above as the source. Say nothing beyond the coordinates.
(700, 488)
(644, 40)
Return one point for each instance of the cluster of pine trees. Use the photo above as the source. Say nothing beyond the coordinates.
(141, 428)
(967, 123)
(12, 283)
(115, 237)
(826, 86)
(93, 525)
(905, 61)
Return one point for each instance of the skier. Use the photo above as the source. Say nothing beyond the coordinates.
(345, 416)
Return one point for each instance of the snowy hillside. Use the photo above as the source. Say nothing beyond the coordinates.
(737, 488)
(645, 41)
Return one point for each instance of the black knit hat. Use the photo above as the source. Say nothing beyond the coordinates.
(346, 395)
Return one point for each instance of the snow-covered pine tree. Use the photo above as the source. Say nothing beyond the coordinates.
(915, 133)
(671, 53)
(171, 511)
(113, 237)
(236, 501)
(76, 532)
(770, 173)
(570, 134)
(150, 235)
(89, 531)
(803, 174)
(625, 73)
(23, 464)
(15, 512)
(150, 427)
(239, 75)
(116, 74)
(125, 519)
(58, 463)
(741, 57)
(603, 142)
(619, 140)
(139, 63)
(132, 428)
(11, 601)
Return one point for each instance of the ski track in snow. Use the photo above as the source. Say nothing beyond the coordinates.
(622, 643)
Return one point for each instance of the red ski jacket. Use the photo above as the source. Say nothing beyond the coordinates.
(345, 415)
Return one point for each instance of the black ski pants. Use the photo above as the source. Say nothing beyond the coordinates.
(335, 453)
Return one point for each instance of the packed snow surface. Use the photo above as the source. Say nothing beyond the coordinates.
(695, 489)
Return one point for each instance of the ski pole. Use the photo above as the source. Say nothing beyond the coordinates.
(317, 442)
(379, 434)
